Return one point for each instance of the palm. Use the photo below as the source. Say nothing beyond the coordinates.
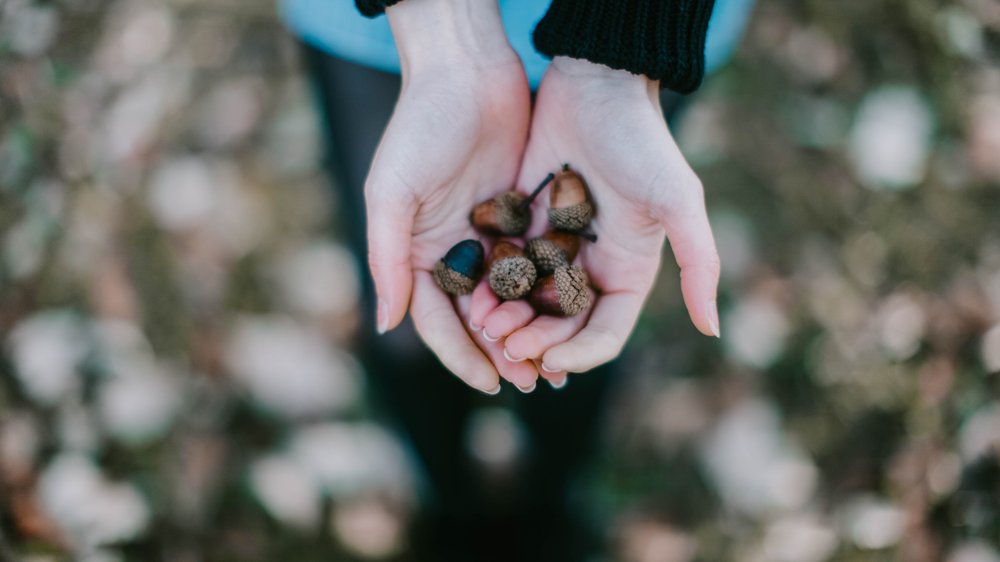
(454, 139)
(613, 133)
(600, 138)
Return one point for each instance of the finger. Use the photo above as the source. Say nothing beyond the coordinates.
(482, 303)
(691, 240)
(601, 339)
(542, 333)
(445, 334)
(556, 380)
(520, 373)
(390, 227)
(506, 318)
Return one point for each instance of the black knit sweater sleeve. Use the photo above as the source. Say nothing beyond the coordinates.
(372, 8)
(663, 39)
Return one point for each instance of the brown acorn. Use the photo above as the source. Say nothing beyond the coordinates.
(552, 249)
(460, 269)
(570, 207)
(564, 293)
(507, 214)
(511, 273)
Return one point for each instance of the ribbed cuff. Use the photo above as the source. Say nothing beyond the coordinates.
(372, 8)
(663, 39)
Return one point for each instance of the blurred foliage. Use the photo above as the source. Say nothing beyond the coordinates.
(164, 222)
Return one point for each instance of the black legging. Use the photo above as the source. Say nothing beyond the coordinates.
(430, 406)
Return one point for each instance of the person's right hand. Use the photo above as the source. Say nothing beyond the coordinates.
(456, 138)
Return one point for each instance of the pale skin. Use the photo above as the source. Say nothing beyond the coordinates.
(460, 135)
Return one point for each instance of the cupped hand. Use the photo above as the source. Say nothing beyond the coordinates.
(456, 138)
(608, 125)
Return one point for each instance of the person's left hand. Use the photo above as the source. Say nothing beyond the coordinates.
(608, 125)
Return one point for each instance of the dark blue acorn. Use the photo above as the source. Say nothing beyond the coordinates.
(460, 269)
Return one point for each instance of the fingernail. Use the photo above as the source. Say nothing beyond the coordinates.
(548, 370)
(527, 389)
(474, 327)
(713, 319)
(488, 337)
(382, 318)
(492, 391)
(558, 383)
(509, 358)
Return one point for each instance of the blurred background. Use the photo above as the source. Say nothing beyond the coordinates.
(177, 313)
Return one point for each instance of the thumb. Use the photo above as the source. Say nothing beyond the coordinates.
(691, 240)
(390, 226)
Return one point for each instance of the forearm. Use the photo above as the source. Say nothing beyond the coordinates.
(443, 34)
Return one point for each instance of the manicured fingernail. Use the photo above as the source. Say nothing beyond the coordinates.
(713, 319)
(488, 337)
(558, 383)
(382, 318)
(509, 358)
(473, 327)
(492, 391)
(548, 370)
(527, 389)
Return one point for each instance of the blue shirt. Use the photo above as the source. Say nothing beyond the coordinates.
(336, 26)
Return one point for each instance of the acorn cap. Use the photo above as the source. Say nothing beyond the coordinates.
(459, 270)
(504, 215)
(552, 249)
(512, 277)
(573, 218)
(564, 293)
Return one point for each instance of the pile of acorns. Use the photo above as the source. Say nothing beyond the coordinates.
(542, 271)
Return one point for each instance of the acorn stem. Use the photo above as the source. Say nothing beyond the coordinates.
(534, 194)
(585, 234)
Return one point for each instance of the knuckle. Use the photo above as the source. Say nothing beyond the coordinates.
(609, 345)
(713, 264)
(377, 262)
(604, 346)
(430, 322)
(524, 343)
(381, 191)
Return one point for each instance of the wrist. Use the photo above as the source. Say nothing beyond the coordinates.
(599, 75)
(445, 34)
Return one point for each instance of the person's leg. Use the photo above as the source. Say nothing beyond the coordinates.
(564, 431)
(422, 399)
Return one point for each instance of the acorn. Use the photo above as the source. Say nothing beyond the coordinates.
(564, 293)
(552, 249)
(570, 207)
(460, 269)
(507, 214)
(511, 273)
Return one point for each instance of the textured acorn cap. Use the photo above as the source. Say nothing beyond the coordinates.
(504, 215)
(459, 270)
(564, 293)
(512, 217)
(451, 281)
(545, 254)
(573, 218)
(511, 278)
(572, 283)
